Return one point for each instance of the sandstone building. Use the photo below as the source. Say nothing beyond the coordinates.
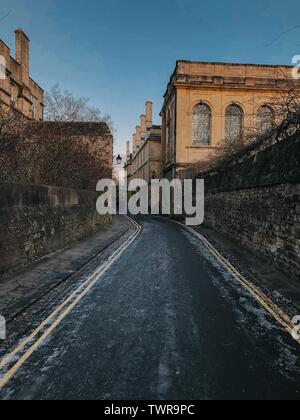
(145, 161)
(17, 90)
(206, 104)
(21, 94)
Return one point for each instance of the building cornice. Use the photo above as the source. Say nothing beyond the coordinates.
(259, 85)
(201, 73)
(225, 63)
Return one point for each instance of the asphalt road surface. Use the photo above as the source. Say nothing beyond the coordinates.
(166, 321)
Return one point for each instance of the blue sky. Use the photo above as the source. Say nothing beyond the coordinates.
(121, 53)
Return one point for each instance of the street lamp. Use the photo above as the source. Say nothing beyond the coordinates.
(119, 160)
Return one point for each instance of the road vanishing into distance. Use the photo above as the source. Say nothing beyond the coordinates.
(165, 321)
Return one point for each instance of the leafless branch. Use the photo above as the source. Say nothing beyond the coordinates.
(35, 153)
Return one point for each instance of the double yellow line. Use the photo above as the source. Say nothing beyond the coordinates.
(274, 310)
(60, 313)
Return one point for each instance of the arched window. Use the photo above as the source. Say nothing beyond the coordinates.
(265, 119)
(170, 136)
(168, 128)
(234, 123)
(201, 125)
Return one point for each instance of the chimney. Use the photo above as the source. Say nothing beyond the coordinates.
(134, 143)
(149, 114)
(22, 54)
(143, 126)
(138, 138)
(128, 151)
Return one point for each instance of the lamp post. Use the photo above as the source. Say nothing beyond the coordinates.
(119, 160)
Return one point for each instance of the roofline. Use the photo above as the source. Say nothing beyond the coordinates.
(4, 43)
(221, 63)
(233, 64)
(33, 81)
(21, 31)
(76, 122)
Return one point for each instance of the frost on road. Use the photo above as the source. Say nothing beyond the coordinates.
(167, 321)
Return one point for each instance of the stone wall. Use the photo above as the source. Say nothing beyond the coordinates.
(256, 202)
(66, 154)
(96, 136)
(38, 220)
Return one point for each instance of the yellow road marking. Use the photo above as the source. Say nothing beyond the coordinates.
(89, 283)
(274, 310)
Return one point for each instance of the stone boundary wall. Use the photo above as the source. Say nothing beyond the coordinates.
(256, 202)
(38, 220)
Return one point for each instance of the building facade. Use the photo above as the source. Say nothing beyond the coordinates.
(207, 104)
(17, 90)
(145, 161)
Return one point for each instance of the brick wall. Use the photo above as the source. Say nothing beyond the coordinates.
(37, 220)
(256, 202)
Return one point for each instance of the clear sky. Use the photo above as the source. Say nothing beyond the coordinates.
(121, 53)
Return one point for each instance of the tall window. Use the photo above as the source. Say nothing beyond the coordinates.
(265, 119)
(14, 93)
(234, 123)
(201, 125)
(33, 107)
(171, 133)
(169, 136)
(2, 68)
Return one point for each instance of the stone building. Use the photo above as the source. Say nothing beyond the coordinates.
(207, 104)
(17, 90)
(145, 161)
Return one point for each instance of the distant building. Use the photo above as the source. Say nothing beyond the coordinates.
(17, 90)
(145, 161)
(207, 104)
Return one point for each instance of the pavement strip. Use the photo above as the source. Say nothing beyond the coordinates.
(57, 316)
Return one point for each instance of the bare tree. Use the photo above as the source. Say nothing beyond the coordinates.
(64, 106)
(39, 154)
(286, 109)
(287, 115)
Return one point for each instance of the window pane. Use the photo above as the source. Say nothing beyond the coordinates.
(265, 119)
(201, 125)
(234, 123)
(171, 133)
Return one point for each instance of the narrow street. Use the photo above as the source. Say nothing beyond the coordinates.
(165, 321)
